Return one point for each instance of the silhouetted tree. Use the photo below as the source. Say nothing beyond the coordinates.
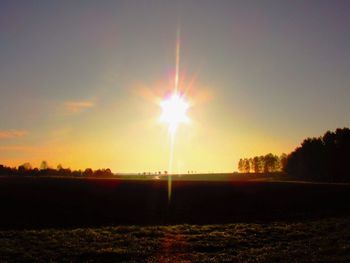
(323, 158)
(5, 171)
(25, 167)
(261, 164)
(27, 170)
(240, 166)
(283, 161)
(271, 163)
(256, 165)
(246, 166)
(44, 165)
(88, 172)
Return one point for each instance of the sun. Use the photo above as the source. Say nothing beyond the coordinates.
(174, 111)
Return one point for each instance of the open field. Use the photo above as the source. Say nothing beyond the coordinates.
(111, 220)
(326, 240)
(56, 202)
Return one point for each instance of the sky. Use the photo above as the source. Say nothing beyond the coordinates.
(81, 81)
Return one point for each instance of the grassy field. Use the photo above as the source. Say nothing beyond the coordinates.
(326, 240)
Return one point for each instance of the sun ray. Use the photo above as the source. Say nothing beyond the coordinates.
(174, 110)
(177, 62)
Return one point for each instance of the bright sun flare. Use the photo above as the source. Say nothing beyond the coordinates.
(174, 111)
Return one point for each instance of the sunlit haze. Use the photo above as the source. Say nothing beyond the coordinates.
(91, 84)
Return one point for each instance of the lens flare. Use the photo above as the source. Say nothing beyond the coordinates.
(174, 111)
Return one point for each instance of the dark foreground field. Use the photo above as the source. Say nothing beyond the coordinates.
(106, 220)
(50, 202)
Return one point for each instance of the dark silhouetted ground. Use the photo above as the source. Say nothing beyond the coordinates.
(56, 202)
(109, 220)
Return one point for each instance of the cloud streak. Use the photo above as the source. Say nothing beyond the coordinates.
(78, 106)
(11, 134)
(17, 148)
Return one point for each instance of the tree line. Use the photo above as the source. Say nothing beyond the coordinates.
(27, 170)
(268, 163)
(323, 158)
